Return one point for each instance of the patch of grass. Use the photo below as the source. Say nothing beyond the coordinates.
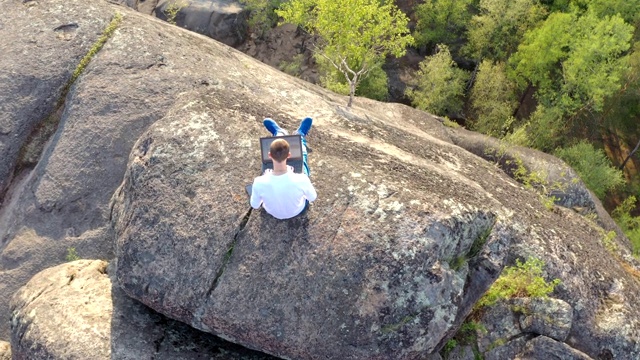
(467, 335)
(522, 280)
(395, 327)
(549, 202)
(72, 254)
(456, 263)
(448, 347)
(97, 46)
(479, 241)
(449, 123)
(608, 240)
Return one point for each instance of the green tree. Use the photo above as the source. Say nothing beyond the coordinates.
(441, 21)
(355, 35)
(438, 85)
(499, 27)
(629, 10)
(583, 61)
(593, 167)
(492, 99)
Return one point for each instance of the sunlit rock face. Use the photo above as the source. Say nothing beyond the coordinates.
(157, 140)
(76, 311)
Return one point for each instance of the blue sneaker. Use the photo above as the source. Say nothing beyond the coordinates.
(273, 127)
(305, 126)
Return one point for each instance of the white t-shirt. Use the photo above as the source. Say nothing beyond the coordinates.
(282, 196)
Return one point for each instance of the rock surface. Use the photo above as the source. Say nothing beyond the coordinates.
(400, 205)
(130, 83)
(5, 350)
(524, 317)
(223, 20)
(40, 49)
(367, 270)
(543, 347)
(74, 311)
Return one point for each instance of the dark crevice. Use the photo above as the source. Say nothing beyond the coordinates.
(71, 278)
(481, 239)
(227, 255)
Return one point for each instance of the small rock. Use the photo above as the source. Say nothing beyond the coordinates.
(544, 347)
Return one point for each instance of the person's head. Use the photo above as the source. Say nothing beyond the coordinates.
(279, 150)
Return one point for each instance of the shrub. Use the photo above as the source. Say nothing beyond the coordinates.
(72, 255)
(522, 280)
(593, 167)
(629, 224)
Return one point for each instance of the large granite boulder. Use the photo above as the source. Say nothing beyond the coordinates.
(63, 202)
(387, 262)
(75, 311)
(379, 268)
(41, 47)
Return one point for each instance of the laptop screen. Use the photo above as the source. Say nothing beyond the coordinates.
(295, 146)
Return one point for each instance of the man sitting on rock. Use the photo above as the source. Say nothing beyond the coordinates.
(283, 193)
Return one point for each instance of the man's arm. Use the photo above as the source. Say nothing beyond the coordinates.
(256, 198)
(310, 191)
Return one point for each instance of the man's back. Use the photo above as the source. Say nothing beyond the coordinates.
(283, 196)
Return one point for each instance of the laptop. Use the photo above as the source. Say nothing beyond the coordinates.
(295, 148)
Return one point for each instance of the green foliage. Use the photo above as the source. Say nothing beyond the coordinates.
(449, 123)
(292, 67)
(628, 9)
(492, 100)
(441, 21)
(374, 85)
(72, 255)
(582, 63)
(262, 14)
(522, 280)
(518, 137)
(593, 167)
(545, 128)
(466, 335)
(530, 179)
(172, 10)
(629, 224)
(608, 240)
(438, 86)
(500, 25)
(97, 46)
(448, 347)
(356, 35)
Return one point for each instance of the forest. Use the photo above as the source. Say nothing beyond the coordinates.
(560, 76)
